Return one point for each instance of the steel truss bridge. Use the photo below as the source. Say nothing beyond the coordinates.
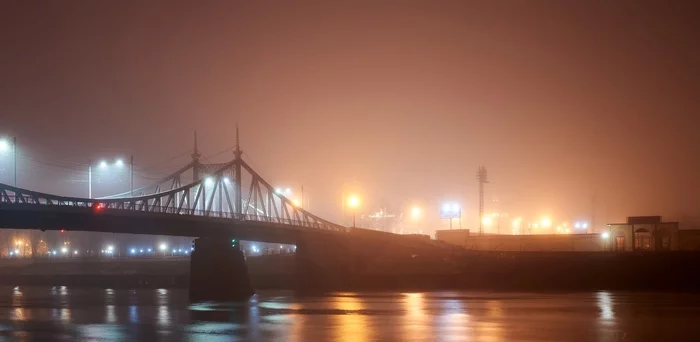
(229, 194)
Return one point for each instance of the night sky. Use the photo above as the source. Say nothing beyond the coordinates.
(576, 107)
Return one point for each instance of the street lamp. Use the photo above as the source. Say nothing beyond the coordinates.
(416, 212)
(546, 222)
(103, 165)
(516, 225)
(353, 202)
(4, 147)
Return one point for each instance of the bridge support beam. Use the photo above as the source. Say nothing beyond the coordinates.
(218, 271)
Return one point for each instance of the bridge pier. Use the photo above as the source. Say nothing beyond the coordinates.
(218, 271)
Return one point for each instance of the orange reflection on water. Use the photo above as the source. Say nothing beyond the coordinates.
(453, 320)
(65, 315)
(352, 323)
(417, 325)
(18, 314)
(490, 328)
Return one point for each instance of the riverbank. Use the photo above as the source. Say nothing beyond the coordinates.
(514, 271)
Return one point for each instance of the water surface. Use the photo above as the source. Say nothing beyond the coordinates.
(69, 314)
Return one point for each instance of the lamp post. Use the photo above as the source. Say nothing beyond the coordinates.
(353, 202)
(4, 146)
(131, 176)
(103, 165)
(416, 213)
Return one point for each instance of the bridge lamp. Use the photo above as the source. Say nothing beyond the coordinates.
(16, 250)
(149, 250)
(119, 163)
(227, 180)
(103, 164)
(296, 203)
(64, 250)
(605, 235)
(75, 252)
(4, 145)
(140, 250)
(53, 252)
(208, 181)
(278, 191)
(174, 251)
(163, 247)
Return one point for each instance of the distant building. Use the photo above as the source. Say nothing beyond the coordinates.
(644, 233)
(639, 233)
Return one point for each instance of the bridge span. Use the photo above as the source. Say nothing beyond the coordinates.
(223, 202)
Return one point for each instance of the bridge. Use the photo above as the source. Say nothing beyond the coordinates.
(221, 203)
(227, 199)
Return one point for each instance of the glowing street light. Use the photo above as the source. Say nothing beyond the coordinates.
(486, 220)
(64, 250)
(416, 212)
(208, 181)
(103, 165)
(546, 222)
(516, 225)
(605, 235)
(163, 247)
(296, 203)
(353, 202)
(5, 145)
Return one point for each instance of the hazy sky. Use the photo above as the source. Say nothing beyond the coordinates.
(400, 101)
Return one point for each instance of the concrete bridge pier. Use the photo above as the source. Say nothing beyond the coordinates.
(218, 271)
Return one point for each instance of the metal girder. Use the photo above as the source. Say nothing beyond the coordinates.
(262, 204)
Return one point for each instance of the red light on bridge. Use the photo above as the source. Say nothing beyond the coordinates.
(63, 230)
(98, 206)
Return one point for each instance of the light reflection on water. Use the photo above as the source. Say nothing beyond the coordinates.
(60, 313)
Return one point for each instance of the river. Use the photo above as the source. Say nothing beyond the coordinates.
(88, 314)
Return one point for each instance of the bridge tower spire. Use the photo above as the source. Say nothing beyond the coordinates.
(238, 153)
(196, 166)
(195, 158)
